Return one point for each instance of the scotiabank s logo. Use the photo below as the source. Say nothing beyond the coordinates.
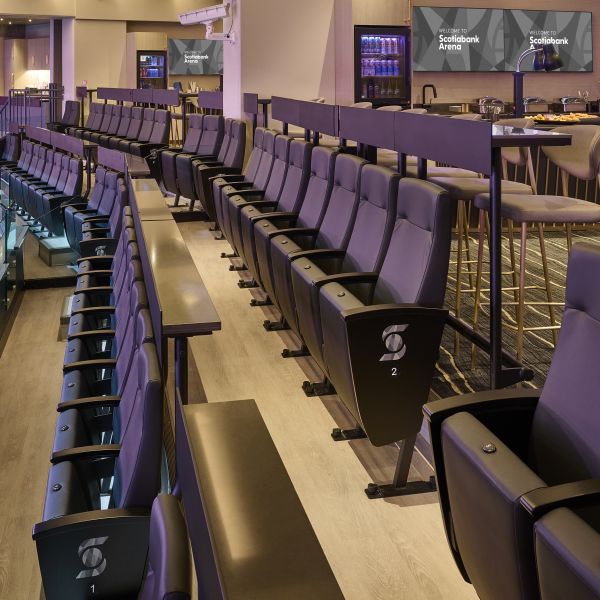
(393, 342)
(91, 557)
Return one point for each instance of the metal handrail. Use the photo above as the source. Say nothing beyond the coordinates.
(21, 101)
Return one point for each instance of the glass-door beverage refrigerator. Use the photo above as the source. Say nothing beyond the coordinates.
(152, 69)
(382, 73)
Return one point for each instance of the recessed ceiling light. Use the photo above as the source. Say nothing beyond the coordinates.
(10, 22)
(30, 20)
(1, 18)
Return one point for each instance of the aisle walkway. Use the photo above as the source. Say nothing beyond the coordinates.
(30, 380)
(377, 549)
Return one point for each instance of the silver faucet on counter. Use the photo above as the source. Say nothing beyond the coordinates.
(433, 89)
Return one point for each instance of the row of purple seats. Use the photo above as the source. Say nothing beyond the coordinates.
(204, 137)
(128, 129)
(42, 183)
(101, 521)
(356, 261)
(102, 210)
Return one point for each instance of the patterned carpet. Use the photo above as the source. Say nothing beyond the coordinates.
(456, 373)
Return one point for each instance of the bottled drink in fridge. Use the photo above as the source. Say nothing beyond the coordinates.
(371, 44)
(377, 67)
(365, 90)
(363, 44)
(394, 45)
(370, 89)
(377, 91)
(396, 68)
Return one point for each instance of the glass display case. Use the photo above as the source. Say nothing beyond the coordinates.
(152, 69)
(382, 65)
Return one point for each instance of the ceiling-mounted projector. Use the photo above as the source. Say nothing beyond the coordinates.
(207, 16)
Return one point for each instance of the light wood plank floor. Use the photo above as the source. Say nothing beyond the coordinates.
(30, 382)
(377, 549)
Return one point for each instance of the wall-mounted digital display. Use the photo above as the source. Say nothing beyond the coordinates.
(490, 39)
(569, 32)
(195, 57)
(457, 39)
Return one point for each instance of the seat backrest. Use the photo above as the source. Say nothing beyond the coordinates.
(168, 570)
(115, 119)
(194, 134)
(318, 190)
(116, 213)
(106, 117)
(98, 189)
(137, 469)
(25, 154)
(374, 222)
(74, 181)
(212, 135)
(337, 223)
(64, 172)
(11, 147)
(237, 145)
(564, 440)
(266, 160)
(161, 129)
(48, 165)
(415, 267)
(41, 162)
(125, 121)
(296, 176)
(225, 141)
(255, 155)
(279, 168)
(71, 114)
(582, 158)
(135, 123)
(56, 169)
(35, 156)
(109, 193)
(147, 125)
(95, 116)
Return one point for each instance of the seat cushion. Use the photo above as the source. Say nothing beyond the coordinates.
(567, 552)
(492, 534)
(543, 209)
(466, 188)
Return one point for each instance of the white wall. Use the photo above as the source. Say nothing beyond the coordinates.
(287, 48)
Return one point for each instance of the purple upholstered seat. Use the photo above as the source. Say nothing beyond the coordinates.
(310, 216)
(289, 203)
(413, 276)
(494, 450)
(334, 232)
(373, 225)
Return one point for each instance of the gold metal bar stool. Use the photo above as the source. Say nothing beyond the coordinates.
(581, 160)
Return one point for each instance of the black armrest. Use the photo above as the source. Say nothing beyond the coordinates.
(86, 453)
(94, 310)
(89, 402)
(568, 495)
(98, 363)
(99, 230)
(248, 192)
(481, 402)
(96, 272)
(107, 289)
(348, 279)
(103, 258)
(228, 178)
(317, 253)
(102, 333)
(296, 232)
(261, 204)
